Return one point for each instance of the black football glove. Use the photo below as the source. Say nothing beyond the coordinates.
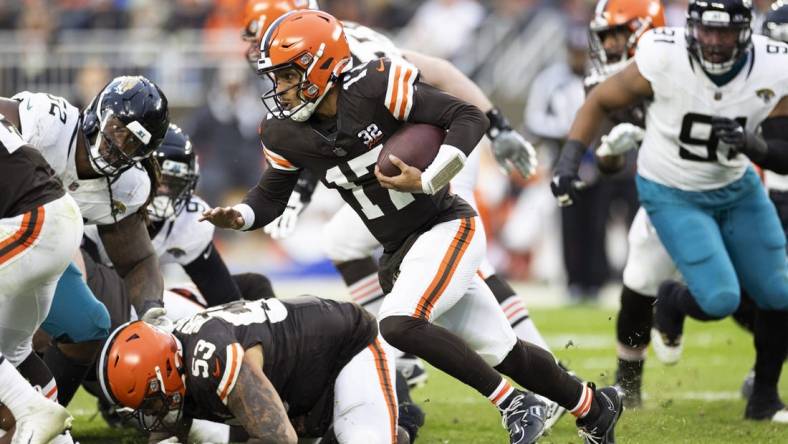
(734, 134)
(566, 182)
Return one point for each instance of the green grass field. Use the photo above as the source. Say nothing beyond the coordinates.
(694, 402)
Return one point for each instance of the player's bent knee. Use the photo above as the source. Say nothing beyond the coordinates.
(775, 294)
(721, 304)
(398, 331)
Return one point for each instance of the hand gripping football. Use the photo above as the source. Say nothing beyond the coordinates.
(416, 144)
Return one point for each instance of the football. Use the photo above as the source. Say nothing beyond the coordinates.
(416, 144)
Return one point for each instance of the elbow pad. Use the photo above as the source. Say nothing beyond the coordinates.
(447, 163)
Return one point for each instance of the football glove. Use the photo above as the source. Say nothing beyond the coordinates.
(155, 315)
(566, 182)
(284, 225)
(734, 134)
(622, 138)
(511, 150)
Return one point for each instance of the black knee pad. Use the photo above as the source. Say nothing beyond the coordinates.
(36, 371)
(635, 317)
(399, 330)
(254, 286)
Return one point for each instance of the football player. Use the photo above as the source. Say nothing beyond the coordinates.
(348, 243)
(331, 117)
(615, 30)
(259, 364)
(40, 228)
(176, 235)
(103, 158)
(711, 87)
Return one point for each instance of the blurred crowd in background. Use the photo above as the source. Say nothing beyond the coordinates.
(529, 56)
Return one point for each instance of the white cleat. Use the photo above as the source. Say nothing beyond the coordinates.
(668, 352)
(553, 412)
(41, 422)
(781, 416)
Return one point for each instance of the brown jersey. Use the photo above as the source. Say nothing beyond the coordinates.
(26, 179)
(374, 101)
(306, 342)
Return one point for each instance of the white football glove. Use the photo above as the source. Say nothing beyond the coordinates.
(511, 150)
(156, 317)
(622, 138)
(170, 440)
(284, 225)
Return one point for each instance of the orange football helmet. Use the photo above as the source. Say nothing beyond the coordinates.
(632, 18)
(313, 43)
(258, 16)
(140, 369)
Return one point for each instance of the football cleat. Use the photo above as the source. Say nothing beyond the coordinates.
(766, 408)
(667, 330)
(553, 412)
(410, 419)
(524, 418)
(40, 422)
(412, 368)
(602, 429)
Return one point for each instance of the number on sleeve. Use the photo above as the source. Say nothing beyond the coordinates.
(202, 353)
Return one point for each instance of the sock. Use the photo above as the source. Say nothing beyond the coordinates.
(441, 348)
(771, 346)
(516, 312)
(630, 374)
(361, 278)
(745, 314)
(68, 373)
(585, 406)
(503, 394)
(36, 371)
(535, 369)
(403, 391)
(633, 325)
(15, 392)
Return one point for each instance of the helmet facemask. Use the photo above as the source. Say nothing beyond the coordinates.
(116, 147)
(611, 47)
(295, 77)
(175, 190)
(716, 42)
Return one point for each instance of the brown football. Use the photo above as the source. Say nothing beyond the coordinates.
(416, 144)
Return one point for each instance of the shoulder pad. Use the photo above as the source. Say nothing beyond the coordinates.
(45, 119)
(655, 50)
(391, 80)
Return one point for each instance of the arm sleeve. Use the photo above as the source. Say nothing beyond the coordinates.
(775, 133)
(211, 276)
(269, 198)
(466, 124)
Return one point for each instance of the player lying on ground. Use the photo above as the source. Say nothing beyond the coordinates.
(260, 365)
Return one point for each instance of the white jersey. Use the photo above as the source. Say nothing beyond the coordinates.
(50, 124)
(180, 240)
(774, 181)
(678, 149)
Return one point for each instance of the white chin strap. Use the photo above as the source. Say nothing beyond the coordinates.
(97, 161)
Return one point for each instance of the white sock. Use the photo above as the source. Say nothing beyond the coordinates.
(517, 313)
(15, 392)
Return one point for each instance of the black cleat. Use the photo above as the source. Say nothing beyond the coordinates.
(524, 418)
(602, 429)
(765, 405)
(410, 418)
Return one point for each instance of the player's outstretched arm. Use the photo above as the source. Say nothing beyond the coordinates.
(624, 89)
(129, 247)
(256, 404)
